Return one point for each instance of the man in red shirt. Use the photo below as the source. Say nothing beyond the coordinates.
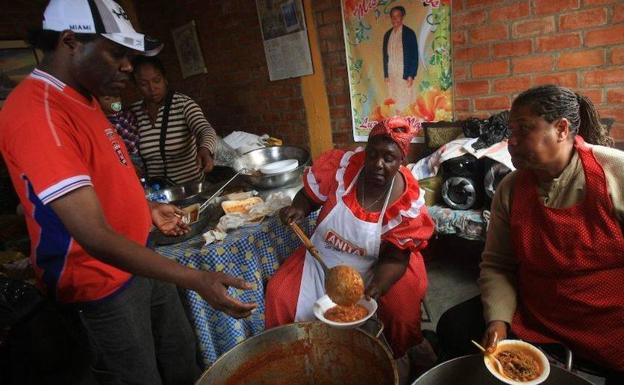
(86, 213)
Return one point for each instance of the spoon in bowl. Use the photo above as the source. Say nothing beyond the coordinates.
(344, 285)
(492, 357)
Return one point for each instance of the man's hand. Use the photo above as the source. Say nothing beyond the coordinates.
(495, 332)
(212, 286)
(168, 219)
(205, 159)
(290, 214)
(410, 81)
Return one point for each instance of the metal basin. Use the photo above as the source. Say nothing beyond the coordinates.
(306, 353)
(183, 194)
(470, 370)
(255, 159)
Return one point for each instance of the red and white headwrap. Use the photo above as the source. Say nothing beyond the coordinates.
(399, 129)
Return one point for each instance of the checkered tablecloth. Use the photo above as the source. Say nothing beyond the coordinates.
(252, 253)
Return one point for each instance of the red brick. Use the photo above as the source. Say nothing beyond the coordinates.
(510, 12)
(617, 55)
(327, 31)
(512, 84)
(469, 88)
(462, 104)
(602, 77)
(617, 133)
(332, 16)
(492, 103)
(477, 3)
(594, 94)
(490, 69)
(568, 79)
(467, 19)
(459, 38)
(457, 6)
(583, 19)
(459, 72)
(558, 42)
(554, 6)
(512, 48)
(580, 59)
(599, 2)
(605, 36)
(489, 33)
(615, 96)
(615, 113)
(342, 100)
(532, 64)
(472, 53)
(534, 27)
(618, 14)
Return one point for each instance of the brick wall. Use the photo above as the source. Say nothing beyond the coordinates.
(235, 93)
(503, 47)
(18, 16)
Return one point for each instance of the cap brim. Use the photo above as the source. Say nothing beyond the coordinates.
(143, 44)
(152, 46)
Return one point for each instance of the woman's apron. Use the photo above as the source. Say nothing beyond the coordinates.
(571, 268)
(341, 238)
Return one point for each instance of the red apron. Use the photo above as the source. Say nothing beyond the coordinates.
(571, 268)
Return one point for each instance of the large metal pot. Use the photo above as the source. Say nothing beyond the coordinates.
(253, 160)
(306, 353)
(470, 370)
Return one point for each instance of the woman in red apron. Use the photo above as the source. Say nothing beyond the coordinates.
(372, 218)
(570, 257)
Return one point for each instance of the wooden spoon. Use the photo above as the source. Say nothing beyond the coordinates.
(492, 357)
(343, 284)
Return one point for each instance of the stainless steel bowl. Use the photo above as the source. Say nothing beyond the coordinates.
(253, 160)
(184, 194)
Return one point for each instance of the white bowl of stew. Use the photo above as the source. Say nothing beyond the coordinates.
(531, 366)
(324, 304)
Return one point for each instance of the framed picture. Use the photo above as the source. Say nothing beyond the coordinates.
(289, 14)
(17, 60)
(188, 49)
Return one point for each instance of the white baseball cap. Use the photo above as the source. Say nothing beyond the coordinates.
(105, 17)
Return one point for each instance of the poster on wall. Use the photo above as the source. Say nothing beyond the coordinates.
(398, 60)
(285, 38)
(188, 50)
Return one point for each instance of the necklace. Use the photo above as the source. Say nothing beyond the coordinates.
(363, 195)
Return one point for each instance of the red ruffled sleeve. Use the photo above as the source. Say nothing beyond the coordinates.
(320, 179)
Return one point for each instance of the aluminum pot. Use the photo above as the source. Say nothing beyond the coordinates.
(305, 353)
(470, 370)
(254, 159)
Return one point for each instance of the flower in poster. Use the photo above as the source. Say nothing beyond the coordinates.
(433, 105)
(384, 111)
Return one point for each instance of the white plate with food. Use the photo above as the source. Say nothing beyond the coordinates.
(279, 167)
(521, 363)
(353, 316)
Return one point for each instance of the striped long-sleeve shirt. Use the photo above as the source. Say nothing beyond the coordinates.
(187, 131)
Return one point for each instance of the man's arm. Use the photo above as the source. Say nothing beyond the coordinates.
(82, 215)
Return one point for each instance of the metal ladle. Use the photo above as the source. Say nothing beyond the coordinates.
(336, 277)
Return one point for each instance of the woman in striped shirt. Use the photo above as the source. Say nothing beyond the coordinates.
(176, 140)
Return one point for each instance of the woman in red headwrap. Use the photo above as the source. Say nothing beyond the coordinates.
(372, 218)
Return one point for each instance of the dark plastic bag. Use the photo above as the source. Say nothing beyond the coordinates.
(18, 300)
